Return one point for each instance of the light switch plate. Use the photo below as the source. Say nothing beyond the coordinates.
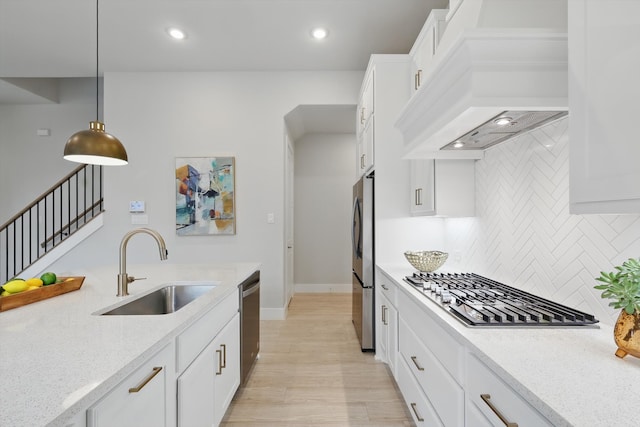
(136, 206)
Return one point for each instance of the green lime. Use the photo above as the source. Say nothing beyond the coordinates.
(48, 278)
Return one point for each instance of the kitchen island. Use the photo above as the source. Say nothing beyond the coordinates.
(569, 376)
(59, 358)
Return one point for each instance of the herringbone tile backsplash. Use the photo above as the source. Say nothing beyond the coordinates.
(523, 234)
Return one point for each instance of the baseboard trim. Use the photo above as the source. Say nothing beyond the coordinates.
(308, 288)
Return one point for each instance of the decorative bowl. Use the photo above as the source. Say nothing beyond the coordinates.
(426, 261)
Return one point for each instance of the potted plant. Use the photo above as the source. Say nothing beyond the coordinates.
(622, 286)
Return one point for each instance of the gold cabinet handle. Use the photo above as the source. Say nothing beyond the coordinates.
(361, 116)
(384, 287)
(219, 370)
(414, 359)
(224, 355)
(362, 161)
(415, 411)
(419, 78)
(487, 400)
(418, 197)
(156, 371)
(384, 320)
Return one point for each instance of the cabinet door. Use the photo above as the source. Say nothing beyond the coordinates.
(140, 400)
(196, 390)
(227, 380)
(383, 328)
(422, 187)
(603, 100)
(392, 338)
(366, 159)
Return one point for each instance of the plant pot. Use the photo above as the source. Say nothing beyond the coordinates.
(626, 333)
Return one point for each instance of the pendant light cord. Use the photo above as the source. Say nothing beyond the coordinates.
(97, 65)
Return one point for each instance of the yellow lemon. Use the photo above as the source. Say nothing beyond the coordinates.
(15, 286)
(5, 294)
(30, 288)
(34, 281)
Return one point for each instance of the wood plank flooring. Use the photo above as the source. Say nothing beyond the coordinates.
(311, 372)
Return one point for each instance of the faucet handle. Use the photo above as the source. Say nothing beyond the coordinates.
(131, 278)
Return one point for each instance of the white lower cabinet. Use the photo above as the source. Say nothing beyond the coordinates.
(420, 408)
(442, 381)
(386, 321)
(209, 365)
(206, 387)
(189, 383)
(143, 399)
(491, 402)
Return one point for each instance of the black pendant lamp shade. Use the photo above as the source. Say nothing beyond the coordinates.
(95, 146)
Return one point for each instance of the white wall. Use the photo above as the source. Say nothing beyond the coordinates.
(523, 234)
(30, 164)
(323, 197)
(160, 116)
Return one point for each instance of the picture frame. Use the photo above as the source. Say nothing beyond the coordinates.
(205, 196)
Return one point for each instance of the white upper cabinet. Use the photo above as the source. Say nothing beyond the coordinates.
(443, 187)
(604, 59)
(382, 95)
(425, 46)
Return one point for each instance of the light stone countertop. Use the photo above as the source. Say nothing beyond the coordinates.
(57, 358)
(570, 375)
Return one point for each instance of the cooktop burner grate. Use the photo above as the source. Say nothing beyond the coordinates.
(479, 301)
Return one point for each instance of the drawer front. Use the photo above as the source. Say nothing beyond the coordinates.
(441, 389)
(421, 410)
(497, 401)
(141, 398)
(193, 340)
(448, 351)
(387, 288)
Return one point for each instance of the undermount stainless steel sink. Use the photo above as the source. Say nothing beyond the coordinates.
(165, 300)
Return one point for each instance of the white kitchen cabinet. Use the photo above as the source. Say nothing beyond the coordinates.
(386, 321)
(419, 406)
(425, 46)
(434, 360)
(143, 399)
(382, 95)
(209, 365)
(491, 402)
(196, 390)
(227, 380)
(442, 187)
(206, 387)
(603, 105)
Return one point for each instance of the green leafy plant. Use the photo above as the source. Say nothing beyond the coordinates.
(622, 286)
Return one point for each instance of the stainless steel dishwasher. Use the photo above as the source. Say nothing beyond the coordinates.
(249, 324)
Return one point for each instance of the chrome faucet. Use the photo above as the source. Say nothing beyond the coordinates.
(123, 278)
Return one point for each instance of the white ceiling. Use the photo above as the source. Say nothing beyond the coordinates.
(45, 39)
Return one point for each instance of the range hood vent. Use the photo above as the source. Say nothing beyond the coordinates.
(502, 127)
(490, 62)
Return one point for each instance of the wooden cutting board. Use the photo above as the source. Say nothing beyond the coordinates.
(67, 284)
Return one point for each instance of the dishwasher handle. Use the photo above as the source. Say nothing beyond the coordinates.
(251, 289)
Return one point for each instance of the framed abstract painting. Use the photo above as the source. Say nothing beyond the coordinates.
(205, 196)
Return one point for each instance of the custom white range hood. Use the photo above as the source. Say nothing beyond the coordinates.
(497, 58)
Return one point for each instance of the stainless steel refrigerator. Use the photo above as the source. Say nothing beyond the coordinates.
(362, 305)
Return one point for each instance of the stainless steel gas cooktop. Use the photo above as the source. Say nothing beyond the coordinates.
(478, 301)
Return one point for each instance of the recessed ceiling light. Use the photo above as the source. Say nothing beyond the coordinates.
(458, 144)
(176, 33)
(319, 33)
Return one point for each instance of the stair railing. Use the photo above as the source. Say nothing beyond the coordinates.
(49, 220)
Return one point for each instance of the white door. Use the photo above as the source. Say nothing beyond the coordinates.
(289, 223)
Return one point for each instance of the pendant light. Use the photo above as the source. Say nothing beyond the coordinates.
(95, 146)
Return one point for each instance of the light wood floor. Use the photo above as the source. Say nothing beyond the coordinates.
(311, 372)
